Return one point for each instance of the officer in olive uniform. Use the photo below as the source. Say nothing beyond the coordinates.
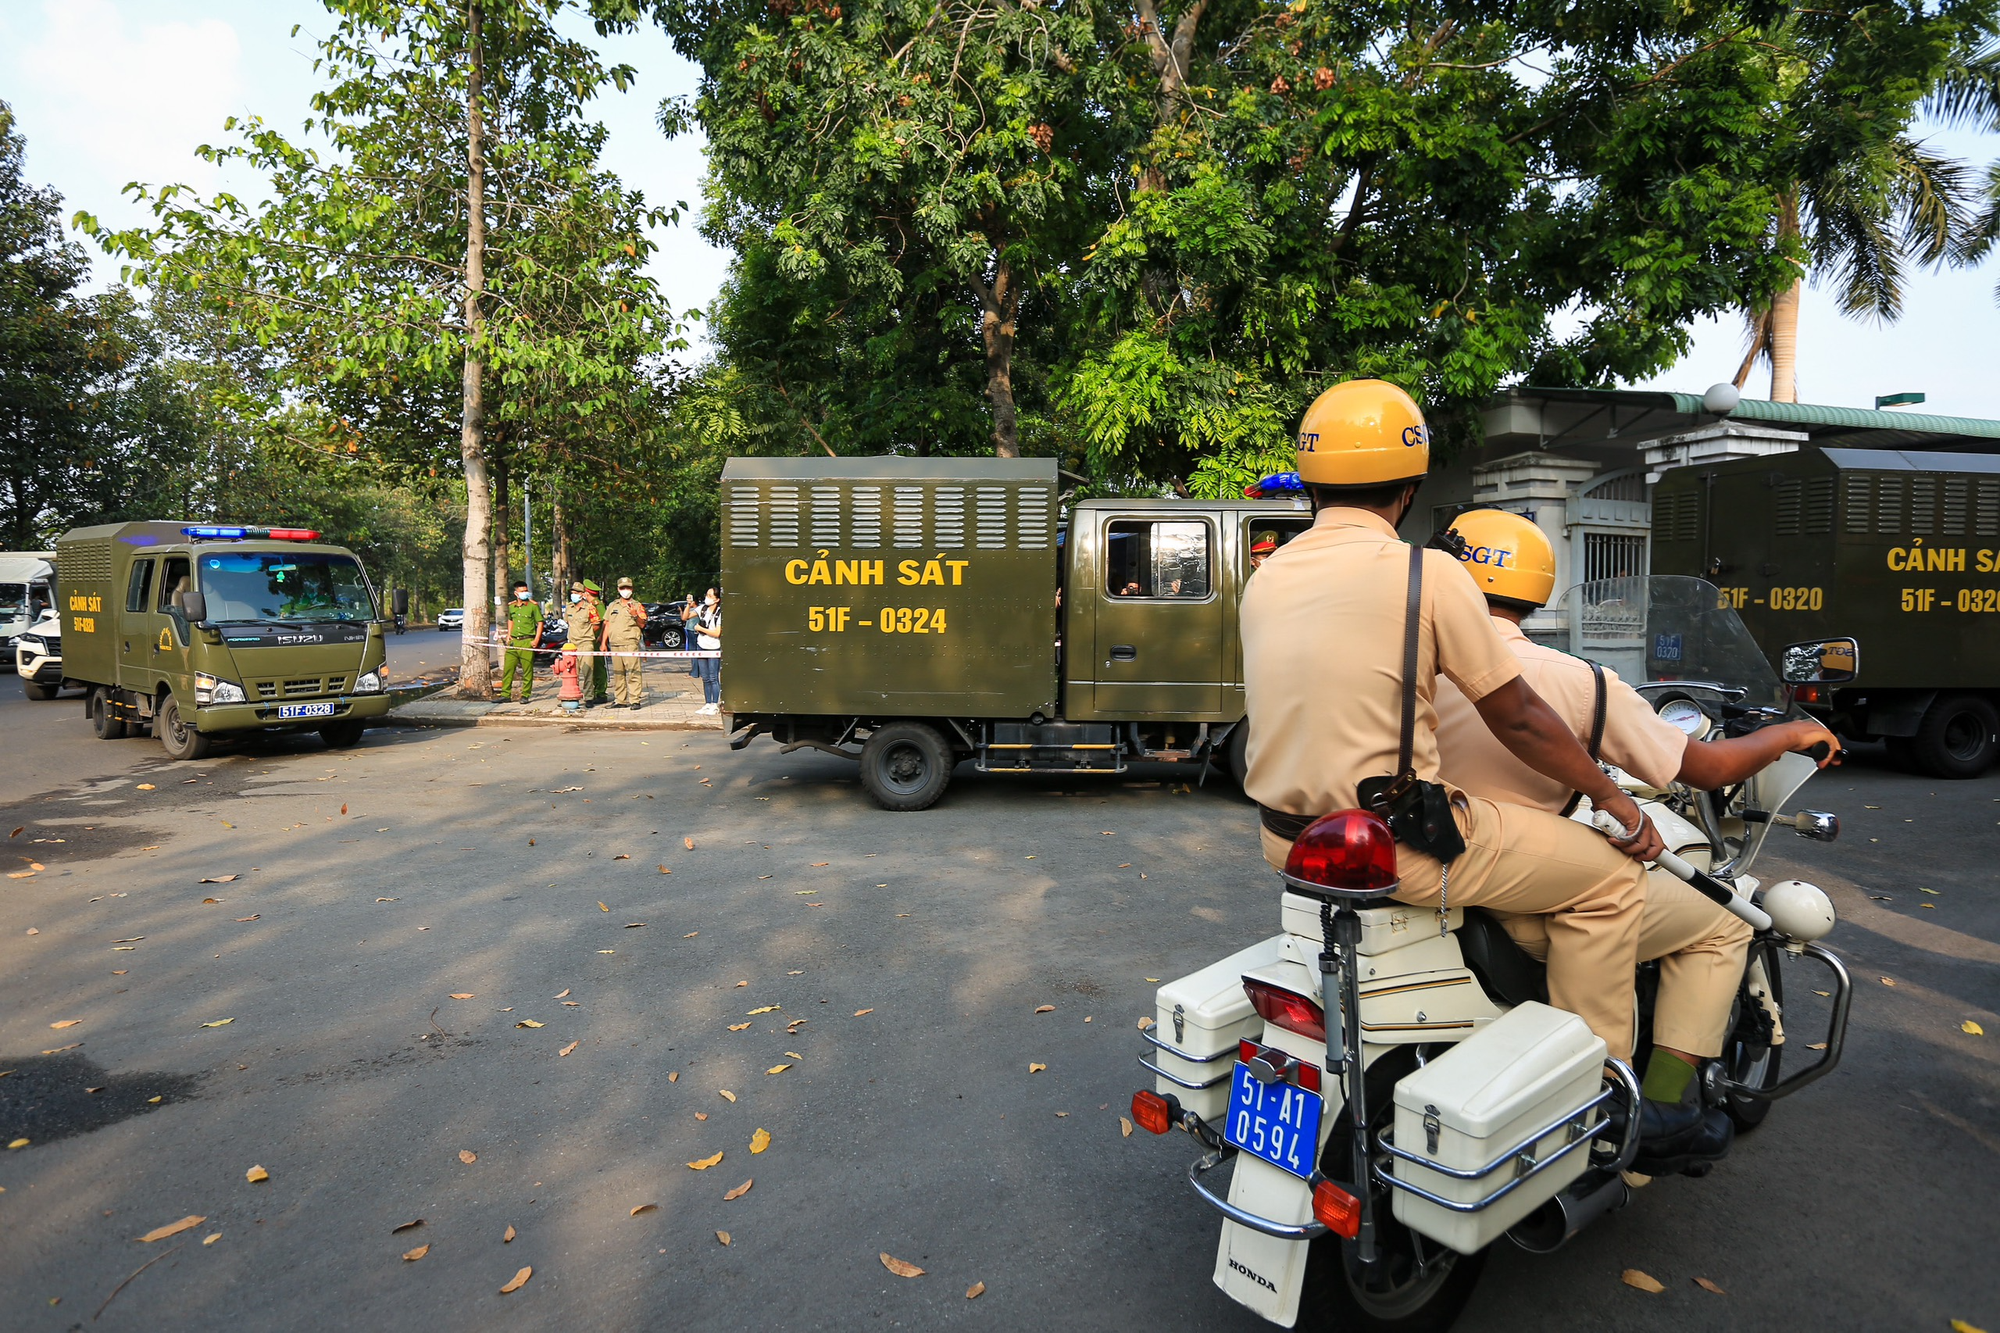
(586, 627)
(600, 665)
(625, 636)
(524, 631)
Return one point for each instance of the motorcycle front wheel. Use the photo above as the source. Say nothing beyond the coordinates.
(1415, 1285)
(1749, 1058)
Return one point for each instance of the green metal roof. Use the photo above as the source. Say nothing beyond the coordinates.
(1846, 418)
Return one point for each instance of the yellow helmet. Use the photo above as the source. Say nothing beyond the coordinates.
(1363, 433)
(1508, 556)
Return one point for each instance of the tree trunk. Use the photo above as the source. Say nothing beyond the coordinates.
(1785, 344)
(475, 665)
(503, 517)
(559, 552)
(999, 302)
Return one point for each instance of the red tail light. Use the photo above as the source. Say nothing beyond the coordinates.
(1806, 694)
(1351, 850)
(1338, 1210)
(294, 535)
(1289, 1010)
(1151, 1113)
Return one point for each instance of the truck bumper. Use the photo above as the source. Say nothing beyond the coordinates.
(264, 717)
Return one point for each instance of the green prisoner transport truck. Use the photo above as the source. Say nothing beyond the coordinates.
(1898, 549)
(913, 614)
(200, 631)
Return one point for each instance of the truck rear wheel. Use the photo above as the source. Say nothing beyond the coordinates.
(1959, 737)
(344, 734)
(906, 766)
(177, 735)
(98, 706)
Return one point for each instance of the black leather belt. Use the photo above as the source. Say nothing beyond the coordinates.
(1286, 826)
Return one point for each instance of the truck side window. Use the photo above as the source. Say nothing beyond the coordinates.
(139, 593)
(174, 579)
(1157, 558)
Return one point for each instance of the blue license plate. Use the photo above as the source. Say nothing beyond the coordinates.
(306, 710)
(1275, 1121)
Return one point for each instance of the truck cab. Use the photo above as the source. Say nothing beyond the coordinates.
(913, 614)
(198, 631)
(27, 591)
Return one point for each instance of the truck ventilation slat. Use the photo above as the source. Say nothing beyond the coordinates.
(948, 517)
(826, 516)
(866, 517)
(1031, 518)
(784, 515)
(744, 506)
(909, 516)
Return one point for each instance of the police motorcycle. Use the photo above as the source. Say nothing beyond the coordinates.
(1388, 1090)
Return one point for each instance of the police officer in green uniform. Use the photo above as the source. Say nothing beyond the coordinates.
(600, 665)
(625, 636)
(524, 631)
(586, 626)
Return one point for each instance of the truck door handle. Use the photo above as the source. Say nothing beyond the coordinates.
(1124, 652)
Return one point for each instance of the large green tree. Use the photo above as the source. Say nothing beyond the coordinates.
(448, 265)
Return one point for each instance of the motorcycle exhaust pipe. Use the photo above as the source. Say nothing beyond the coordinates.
(1589, 1197)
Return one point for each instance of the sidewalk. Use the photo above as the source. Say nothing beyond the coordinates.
(669, 706)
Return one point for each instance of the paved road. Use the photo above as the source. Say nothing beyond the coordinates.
(375, 884)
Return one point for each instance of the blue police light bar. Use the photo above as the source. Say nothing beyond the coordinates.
(1278, 483)
(213, 532)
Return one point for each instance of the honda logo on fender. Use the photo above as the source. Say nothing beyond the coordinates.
(1258, 1278)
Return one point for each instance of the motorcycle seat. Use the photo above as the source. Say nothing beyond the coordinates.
(1502, 966)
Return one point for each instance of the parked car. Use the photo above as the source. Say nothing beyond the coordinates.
(452, 619)
(663, 626)
(38, 657)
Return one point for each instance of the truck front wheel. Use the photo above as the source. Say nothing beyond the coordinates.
(343, 735)
(177, 735)
(906, 766)
(98, 705)
(1958, 738)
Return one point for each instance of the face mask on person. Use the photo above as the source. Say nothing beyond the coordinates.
(576, 597)
(626, 593)
(521, 596)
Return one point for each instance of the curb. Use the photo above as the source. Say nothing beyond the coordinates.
(570, 724)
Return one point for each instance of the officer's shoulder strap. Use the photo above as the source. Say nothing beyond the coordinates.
(1412, 626)
(1596, 727)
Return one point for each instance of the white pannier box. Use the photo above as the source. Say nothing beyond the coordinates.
(1198, 1020)
(1473, 1106)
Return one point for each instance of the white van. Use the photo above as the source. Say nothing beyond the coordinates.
(27, 589)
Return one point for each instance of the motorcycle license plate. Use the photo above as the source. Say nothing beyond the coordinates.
(1275, 1121)
(306, 710)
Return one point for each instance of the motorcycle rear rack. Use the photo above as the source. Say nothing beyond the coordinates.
(1521, 1156)
(1227, 1053)
(1836, 1033)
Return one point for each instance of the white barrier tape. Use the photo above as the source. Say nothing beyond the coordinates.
(683, 654)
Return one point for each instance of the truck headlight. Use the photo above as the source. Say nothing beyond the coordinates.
(369, 682)
(215, 690)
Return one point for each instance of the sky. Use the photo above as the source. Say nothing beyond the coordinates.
(112, 91)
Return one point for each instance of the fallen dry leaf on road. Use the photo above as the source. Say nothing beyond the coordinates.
(1035, 1068)
(206, 901)
(622, 856)
(343, 808)
(1124, 1127)
(738, 1027)
(1045, 1009)
(219, 1023)
(900, 1267)
(527, 1023)
(221, 879)
(688, 843)
(1960, 1326)
(467, 1156)
(691, 934)
(760, 1141)
(567, 1049)
(411, 1256)
(129, 939)
(508, 1236)
(520, 1281)
(674, 1076)
(738, 1192)
(1817, 1046)
(172, 1229)
(146, 786)
(704, 1163)
(646, 1208)
(1145, 1023)
(1706, 1285)
(1972, 1028)
(73, 1045)
(722, 1236)
(769, 1008)
(210, 1240)
(463, 995)
(859, 1012)
(1888, 981)
(388, 900)
(256, 1174)
(727, 1095)
(739, 985)
(252, 917)
(777, 1069)
(664, 871)
(818, 864)
(407, 1226)
(1632, 1277)
(65, 1023)
(18, 832)
(602, 908)
(18, 1143)
(795, 1055)
(634, 925)
(975, 1291)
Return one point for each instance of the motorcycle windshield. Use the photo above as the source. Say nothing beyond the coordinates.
(1660, 629)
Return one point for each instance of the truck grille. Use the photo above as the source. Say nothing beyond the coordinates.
(304, 687)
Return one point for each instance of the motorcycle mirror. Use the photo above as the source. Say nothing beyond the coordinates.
(193, 604)
(1820, 662)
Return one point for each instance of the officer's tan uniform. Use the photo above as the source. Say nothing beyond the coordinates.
(585, 626)
(1322, 627)
(1700, 946)
(625, 634)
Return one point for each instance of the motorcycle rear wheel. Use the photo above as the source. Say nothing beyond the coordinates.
(1342, 1297)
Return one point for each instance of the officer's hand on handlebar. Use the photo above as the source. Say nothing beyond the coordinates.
(1813, 740)
(1645, 844)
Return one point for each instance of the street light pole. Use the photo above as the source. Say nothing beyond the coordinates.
(528, 531)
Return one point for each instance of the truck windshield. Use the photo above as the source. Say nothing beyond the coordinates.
(13, 600)
(283, 587)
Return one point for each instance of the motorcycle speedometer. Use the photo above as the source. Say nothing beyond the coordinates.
(1685, 714)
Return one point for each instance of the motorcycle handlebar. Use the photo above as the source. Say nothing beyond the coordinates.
(1700, 880)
